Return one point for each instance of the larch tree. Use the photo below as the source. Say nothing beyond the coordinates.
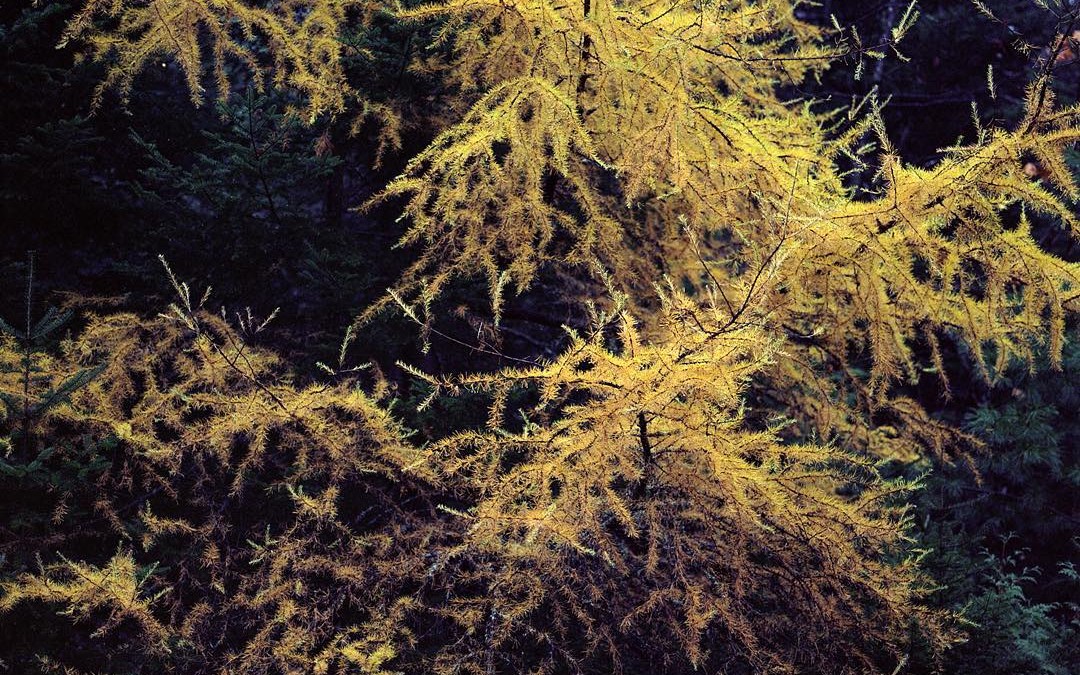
(636, 513)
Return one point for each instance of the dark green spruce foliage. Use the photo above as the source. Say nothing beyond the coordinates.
(256, 181)
(36, 397)
(1006, 541)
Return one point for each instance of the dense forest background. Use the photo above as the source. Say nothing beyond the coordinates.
(247, 198)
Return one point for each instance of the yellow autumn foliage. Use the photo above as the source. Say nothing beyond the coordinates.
(634, 515)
